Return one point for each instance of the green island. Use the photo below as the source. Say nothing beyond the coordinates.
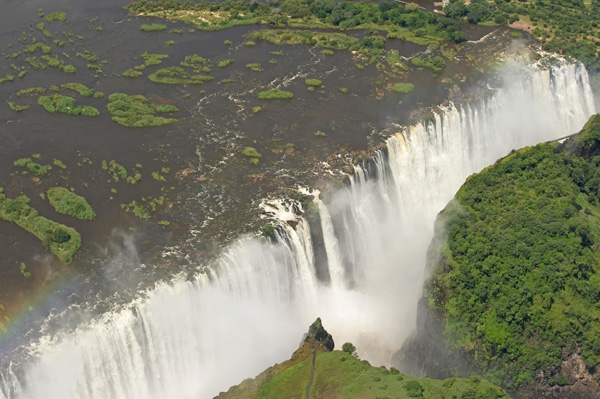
(176, 76)
(61, 240)
(570, 27)
(136, 111)
(69, 203)
(316, 370)
(517, 284)
(65, 104)
(274, 94)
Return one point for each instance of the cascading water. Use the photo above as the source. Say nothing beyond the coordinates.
(193, 338)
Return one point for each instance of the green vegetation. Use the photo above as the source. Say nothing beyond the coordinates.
(319, 133)
(224, 63)
(313, 82)
(23, 268)
(404, 22)
(16, 107)
(83, 90)
(130, 73)
(98, 94)
(326, 52)
(250, 43)
(519, 278)
(59, 103)
(149, 60)
(59, 164)
(88, 57)
(143, 211)
(403, 88)
(170, 43)
(56, 16)
(7, 78)
(153, 27)
(344, 90)
(254, 67)
(341, 375)
(569, 27)
(177, 75)
(252, 154)
(274, 94)
(197, 63)
(35, 90)
(68, 68)
(69, 203)
(33, 167)
(135, 111)
(436, 63)
(61, 240)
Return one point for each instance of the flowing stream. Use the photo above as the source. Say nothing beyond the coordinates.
(191, 338)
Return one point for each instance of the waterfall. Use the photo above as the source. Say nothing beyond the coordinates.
(191, 338)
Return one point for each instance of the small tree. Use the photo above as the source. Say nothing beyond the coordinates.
(350, 349)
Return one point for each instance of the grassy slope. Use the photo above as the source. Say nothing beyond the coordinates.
(340, 376)
(518, 283)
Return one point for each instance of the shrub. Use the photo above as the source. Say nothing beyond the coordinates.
(349, 349)
(413, 388)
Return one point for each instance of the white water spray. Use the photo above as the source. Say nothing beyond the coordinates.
(191, 339)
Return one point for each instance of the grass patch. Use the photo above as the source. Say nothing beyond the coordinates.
(254, 67)
(56, 16)
(136, 111)
(177, 75)
(130, 73)
(251, 153)
(16, 107)
(33, 167)
(61, 240)
(153, 27)
(224, 63)
(436, 63)
(69, 203)
(403, 88)
(82, 89)
(313, 82)
(275, 94)
(7, 78)
(64, 104)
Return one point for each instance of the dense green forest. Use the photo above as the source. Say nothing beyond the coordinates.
(564, 26)
(518, 281)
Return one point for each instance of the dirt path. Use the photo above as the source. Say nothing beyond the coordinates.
(312, 375)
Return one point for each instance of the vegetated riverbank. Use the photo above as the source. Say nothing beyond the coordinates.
(516, 274)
